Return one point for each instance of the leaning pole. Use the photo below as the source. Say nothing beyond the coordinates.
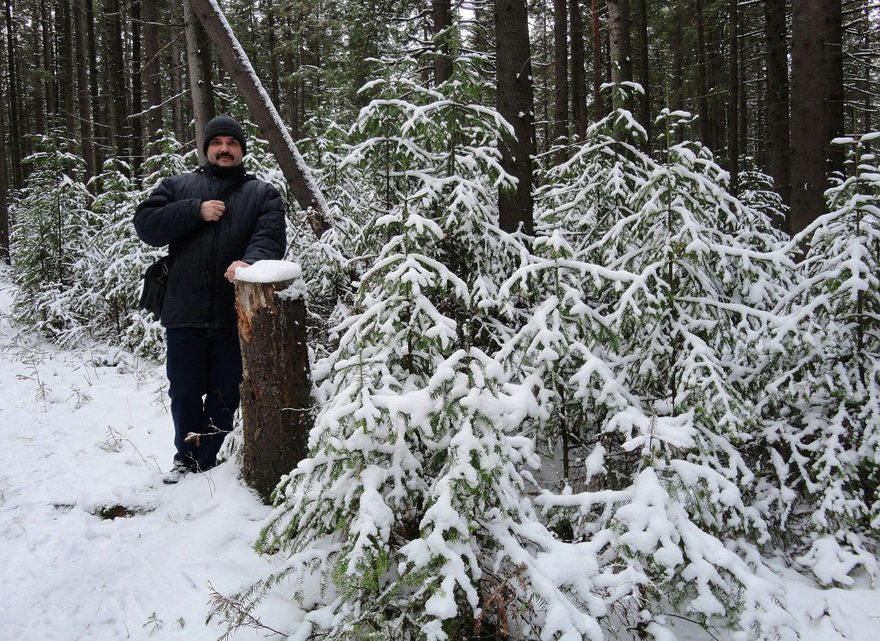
(235, 61)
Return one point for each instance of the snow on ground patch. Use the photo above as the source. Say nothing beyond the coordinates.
(94, 546)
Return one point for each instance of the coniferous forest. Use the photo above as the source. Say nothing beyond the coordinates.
(595, 318)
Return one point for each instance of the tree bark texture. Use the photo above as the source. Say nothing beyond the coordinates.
(12, 94)
(84, 105)
(515, 103)
(441, 12)
(598, 107)
(560, 72)
(620, 33)
(733, 97)
(152, 67)
(276, 388)
(834, 101)
(114, 68)
(644, 70)
(236, 63)
(198, 56)
(809, 126)
(136, 118)
(702, 72)
(578, 69)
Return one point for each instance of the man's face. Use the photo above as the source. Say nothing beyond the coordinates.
(224, 151)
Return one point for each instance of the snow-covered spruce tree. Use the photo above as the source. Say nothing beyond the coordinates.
(582, 196)
(828, 427)
(51, 229)
(641, 360)
(410, 519)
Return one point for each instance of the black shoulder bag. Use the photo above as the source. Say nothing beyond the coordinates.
(155, 280)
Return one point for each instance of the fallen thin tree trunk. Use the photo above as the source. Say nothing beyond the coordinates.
(276, 390)
(237, 64)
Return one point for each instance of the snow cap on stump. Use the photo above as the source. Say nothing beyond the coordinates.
(224, 126)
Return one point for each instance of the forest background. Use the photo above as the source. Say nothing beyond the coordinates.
(599, 289)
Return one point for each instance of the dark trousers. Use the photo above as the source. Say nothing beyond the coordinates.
(204, 374)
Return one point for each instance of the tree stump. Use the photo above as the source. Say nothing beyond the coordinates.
(276, 387)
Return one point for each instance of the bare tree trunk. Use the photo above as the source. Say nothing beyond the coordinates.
(598, 107)
(99, 128)
(12, 100)
(38, 102)
(834, 102)
(51, 88)
(152, 66)
(441, 12)
(4, 195)
(136, 119)
(298, 176)
(116, 103)
(578, 72)
(809, 89)
(702, 74)
(66, 59)
(733, 97)
(84, 107)
(198, 55)
(644, 71)
(178, 122)
(676, 98)
(560, 75)
(620, 29)
(276, 389)
(515, 102)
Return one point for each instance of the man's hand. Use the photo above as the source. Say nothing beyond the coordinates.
(212, 210)
(230, 271)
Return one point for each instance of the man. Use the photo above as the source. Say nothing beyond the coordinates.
(214, 220)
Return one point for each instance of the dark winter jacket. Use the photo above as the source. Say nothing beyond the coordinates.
(252, 228)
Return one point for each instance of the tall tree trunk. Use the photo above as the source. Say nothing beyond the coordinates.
(38, 103)
(702, 73)
(834, 101)
(733, 97)
(136, 118)
(515, 102)
(198, 55)
(99, 123)
(676, 97)
(272, 26)
(152, 66)
(66, 59)
(12, 94)
(116, 103)
(298, 176)
(809, 125)
(51, 89)
(644, 70)
(777, 120)
(441, 12)
(598, 107)
(560, 72)
(620, 29)
(84, 106)
(176, 52)
(4, 195)
(578, 71)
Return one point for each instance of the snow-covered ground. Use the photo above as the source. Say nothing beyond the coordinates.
(94, 547)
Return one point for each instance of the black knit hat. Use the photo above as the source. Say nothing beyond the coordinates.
(224, 126)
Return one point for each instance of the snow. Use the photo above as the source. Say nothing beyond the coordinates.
(269, 271)
(83, 435)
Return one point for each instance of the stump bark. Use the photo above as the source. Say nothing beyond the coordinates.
(276, 386)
